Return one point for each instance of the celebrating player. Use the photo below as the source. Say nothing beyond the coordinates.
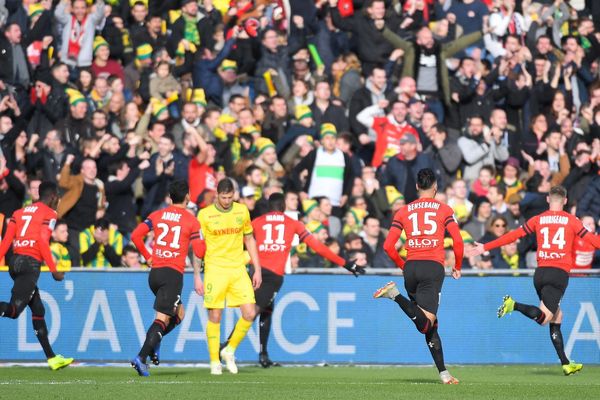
(425, 221)
(174, 227)
(556, 232)
(226, 227)
(274, 233)
(29, 231)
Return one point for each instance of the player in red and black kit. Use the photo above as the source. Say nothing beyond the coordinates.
(174, 228)
(29, 231)
(425, 222)
(556, 232)
(274, 233)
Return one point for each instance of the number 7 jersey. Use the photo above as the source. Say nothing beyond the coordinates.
(424, 221)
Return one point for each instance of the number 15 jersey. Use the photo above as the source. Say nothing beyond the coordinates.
(424, 221)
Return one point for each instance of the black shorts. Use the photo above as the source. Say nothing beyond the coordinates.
(265, 294)
(25, 272)
(166, 284)
(423, 281)
(550, 284)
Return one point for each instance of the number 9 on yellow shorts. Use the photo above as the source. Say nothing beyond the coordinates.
(231, 285)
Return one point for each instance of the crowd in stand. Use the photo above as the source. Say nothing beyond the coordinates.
(336, 103)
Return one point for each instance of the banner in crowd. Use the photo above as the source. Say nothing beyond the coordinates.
(103, 316)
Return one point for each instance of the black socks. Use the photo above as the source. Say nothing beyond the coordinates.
(557, 341)
(532, 312)
(434, 343)
(265, 328)
(41, 331)
(414, 313)
(153, 338)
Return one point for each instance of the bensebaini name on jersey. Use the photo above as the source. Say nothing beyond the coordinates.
(554, 219)
(423, 204)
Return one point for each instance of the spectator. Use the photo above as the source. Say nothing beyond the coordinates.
(445, 153)
(131, 258)
(76, 126)
(480, 147)
(101, 245)
(103, 66)
(424, 60)
(14, 65)
(373, 238)
(325, 111)
(326, 171)
(83, 201)
(121, 210)
(166, 166)
(401, 171)
(386, 130)
(12, 190)
(63, 253)
(477, 225)
(78, 26)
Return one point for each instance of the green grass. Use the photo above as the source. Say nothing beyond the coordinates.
(294, 383)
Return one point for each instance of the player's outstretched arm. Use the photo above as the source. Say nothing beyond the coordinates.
(458, 247)
(505, 239)
(250, 243)
(8, 238)
(137, 237)
(325, 252)
(390, 246)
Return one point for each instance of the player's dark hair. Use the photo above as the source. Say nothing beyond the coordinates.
(425, 179)
(178, 190)
(277, 202)
(48, 190)
(558, 191)
(225, 185)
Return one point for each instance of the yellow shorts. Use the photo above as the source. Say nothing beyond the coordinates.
(227, 284)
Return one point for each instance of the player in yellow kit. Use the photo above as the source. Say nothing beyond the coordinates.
(226, 228)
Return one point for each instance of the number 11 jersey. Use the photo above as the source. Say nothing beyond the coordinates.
(424, 222)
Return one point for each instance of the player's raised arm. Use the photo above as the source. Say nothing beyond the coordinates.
(509, 237)
(457, 244)
(390, 242)
(8, 238)
(138, 235)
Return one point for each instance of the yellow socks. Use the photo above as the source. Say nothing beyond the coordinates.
(240, 331)
(213, 336)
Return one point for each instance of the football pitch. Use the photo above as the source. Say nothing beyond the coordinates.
(293, 383)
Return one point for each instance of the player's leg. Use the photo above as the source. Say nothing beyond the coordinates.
(55, 361)
(213, 335)
(569, 367)
(173, 323)
(409, 306)
(240, 294)
(216, 283)
(166, 285)
(530, 311)
(265, 299)
(430, 279)
(25, 275)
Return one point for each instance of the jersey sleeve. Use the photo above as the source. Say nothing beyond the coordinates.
(247, 222)
(457, 241)
(300, 230)
(394, 235)
(530, 226)
(582, 232)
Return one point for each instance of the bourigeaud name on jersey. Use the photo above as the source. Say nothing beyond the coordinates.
(423, 204)
(554, 219)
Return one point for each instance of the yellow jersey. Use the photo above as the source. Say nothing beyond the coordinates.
(224, 233)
